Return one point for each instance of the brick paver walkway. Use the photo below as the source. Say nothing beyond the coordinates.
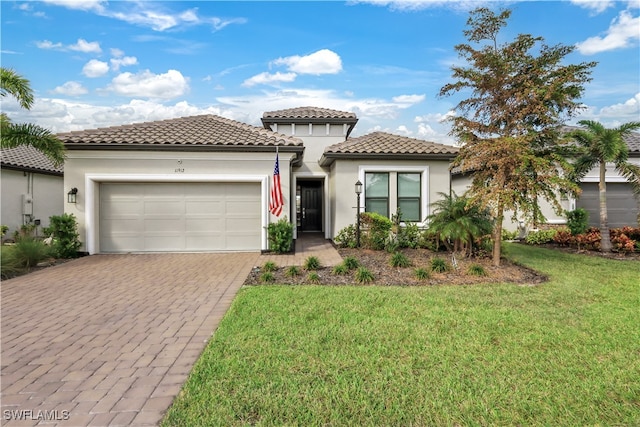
(110, 339)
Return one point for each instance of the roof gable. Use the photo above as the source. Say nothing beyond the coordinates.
(308, 113)
(27, 158)
(193, 132)
(387, 146)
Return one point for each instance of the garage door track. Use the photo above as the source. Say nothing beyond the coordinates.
(110, 339)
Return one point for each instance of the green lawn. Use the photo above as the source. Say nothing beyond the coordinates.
(563, 353)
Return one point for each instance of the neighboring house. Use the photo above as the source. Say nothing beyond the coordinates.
(202, 183)
(32, 189)
(623, 208)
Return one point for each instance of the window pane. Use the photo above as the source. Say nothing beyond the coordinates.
(410, 209)
(377, 205)
(376, 184)
(408, 185)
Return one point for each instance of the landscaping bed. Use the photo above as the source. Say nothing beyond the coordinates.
(379, 264)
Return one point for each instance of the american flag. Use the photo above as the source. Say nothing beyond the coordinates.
(276, 202)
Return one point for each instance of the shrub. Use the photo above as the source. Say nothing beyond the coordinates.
(622, 243)
(364, 275)
(269, 266)
(10, 265)
(540, 237)
(28, 252)
(280, 236)
(376, 230)
(564, 237)
(351, 263)
(577, 221)
(476, 270)
(340, 269)
(439, 265)
(346, 237)
(292, 271)
(509, 235)
(590, 240)
(267, 277)
(313, 277)
(399, 260)
(421, 273)
(408, 236)
(429, 240)
(312, 263)
(3, 230)
(66, 240)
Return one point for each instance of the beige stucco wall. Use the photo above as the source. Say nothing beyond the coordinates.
(345, 173)
(46, 193)
(86, 169)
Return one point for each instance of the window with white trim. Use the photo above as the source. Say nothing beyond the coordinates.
(409, 190)
(376, 192)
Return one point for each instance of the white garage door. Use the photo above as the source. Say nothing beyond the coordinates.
(179, 217)
(622, 206)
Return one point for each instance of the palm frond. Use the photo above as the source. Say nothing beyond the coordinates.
(14, 135)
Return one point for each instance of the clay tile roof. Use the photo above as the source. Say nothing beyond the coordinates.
(633, 141)
(308, 113)
(185, 132)
(28, 158)
(390, 144)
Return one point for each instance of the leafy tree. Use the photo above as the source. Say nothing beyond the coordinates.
(598, 146)
(457, 223)
(509, 126)
(14, 135)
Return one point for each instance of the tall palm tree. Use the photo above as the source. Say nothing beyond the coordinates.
(598, 146)
(13, 135)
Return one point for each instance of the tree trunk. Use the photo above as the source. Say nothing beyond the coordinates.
(497, 235)
(605, 239)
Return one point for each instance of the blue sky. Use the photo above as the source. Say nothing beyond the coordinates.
(96, 63)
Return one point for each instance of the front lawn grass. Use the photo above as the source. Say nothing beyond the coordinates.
(566, 352)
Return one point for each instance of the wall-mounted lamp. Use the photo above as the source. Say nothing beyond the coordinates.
(72, 195)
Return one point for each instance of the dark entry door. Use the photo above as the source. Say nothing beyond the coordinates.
(311, 206)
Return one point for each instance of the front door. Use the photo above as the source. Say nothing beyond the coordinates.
(311, 206)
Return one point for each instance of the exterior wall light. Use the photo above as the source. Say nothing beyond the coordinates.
(72, 195)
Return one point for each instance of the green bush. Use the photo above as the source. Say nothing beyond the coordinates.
(364, 275)
(267, 277)
(66, 240)
(292, 271)
(10, 266)
(313, 277)
(476, 270)
(577, 221)
(280, 236)
(540, 237)
(399, 260)
(269, 266)
(3, 230)
(346, 237)
(312, 263)
(439, 265)
(509, 235)
(340, 269)
(28, 252)
(429, 240)
(351, 263)
(421, 273)
(376, 229)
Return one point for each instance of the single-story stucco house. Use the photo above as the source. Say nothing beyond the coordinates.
(32, 189)
(202, 183)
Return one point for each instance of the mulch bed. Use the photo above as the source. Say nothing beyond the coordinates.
(378, 262)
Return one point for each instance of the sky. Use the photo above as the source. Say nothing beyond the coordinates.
(95, 63)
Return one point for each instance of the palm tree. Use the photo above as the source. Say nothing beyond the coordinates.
(14, 135)
(598, 146)
(457, 223)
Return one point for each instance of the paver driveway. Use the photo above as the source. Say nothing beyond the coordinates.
(110, 339)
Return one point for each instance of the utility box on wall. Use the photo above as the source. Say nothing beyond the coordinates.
(27, 204)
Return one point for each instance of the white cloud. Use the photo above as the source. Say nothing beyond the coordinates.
(410, 5)
(146, 84)
(95, 68)
(435, 117)
(267, 78)
(124, 61)
(149, 15)
(86, 47)
(87, 5)
(71, 89)
(80, 46)
(596, 6)
(323, 61)
(623, 32)
(409, 99)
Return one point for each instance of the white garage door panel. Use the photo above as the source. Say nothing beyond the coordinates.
(174, 217)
